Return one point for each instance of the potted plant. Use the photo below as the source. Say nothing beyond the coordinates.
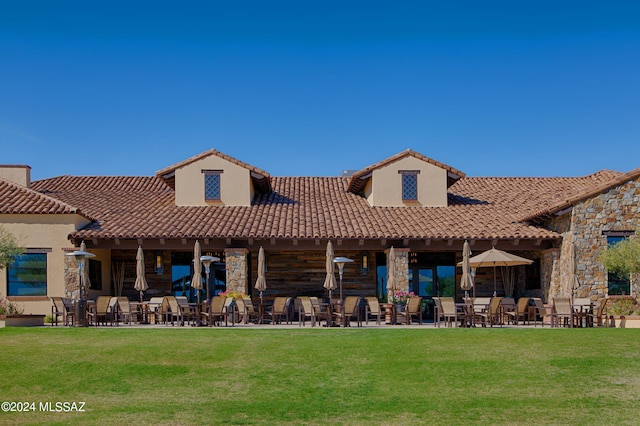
(400, 298)
(624, 310)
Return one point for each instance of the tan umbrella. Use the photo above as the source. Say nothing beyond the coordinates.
(330, 280)
(467, 279)
(261, 282)
(86, 281)
(495, 257)
(392, 282)
(141, 282)
(573, 277)
(196, 281)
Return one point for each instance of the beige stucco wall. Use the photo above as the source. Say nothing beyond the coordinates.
(385, 186)
(47, 232)
(235, 181)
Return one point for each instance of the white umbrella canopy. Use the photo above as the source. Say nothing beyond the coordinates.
(467, 278)
(494, 258)
(261, 282)
(330, 279)
(141, 281)
(196, 281)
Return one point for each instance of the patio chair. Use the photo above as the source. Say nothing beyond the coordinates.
(540, 311)
(351, 309)
(372, 309)
(305, 311)
(493, 315)
(317, 309)
(413, 309)
(123, 311)
(188, 311)
(447, 311)
(102, 311)
(246, 310)
(480, 308)
(509, 310)
(562, 312)
(599, 317)
(61, 309)
(214, 311)
(582, 310)
(279, 310)
(155, 310)
(172, 310)
(522, 311)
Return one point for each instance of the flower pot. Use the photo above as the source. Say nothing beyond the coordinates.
(626, 321)
(21, 320)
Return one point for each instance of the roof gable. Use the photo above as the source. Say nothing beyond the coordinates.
(359, 179)
(16, 199)
(260, 178)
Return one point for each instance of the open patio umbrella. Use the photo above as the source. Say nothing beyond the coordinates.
(392, 282)
(261, 282)
(141, 282)
(467, 279)
(196, 281)
(86, 282)
(495, 257)
(330, 280)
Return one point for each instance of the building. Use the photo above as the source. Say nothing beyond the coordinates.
(419, 206)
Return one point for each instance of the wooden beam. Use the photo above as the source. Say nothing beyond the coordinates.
(95, 241)
(250, 241)
(295, 241)
(162, 241)
(140, 241)
(117, 241)
(184, 241)
(273, 241)
(339, 242)
(515, 242)
(206, 241)
(449, 243)
(405, 242)
(383, 242)
(228, 241)
(360, 242)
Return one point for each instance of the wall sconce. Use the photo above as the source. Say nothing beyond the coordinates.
(365, 263)
(159, 263)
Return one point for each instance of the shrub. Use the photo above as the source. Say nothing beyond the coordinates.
(8, 307)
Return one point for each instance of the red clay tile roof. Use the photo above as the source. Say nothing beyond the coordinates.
(359, 178)
(317, 207)
(260, 178)
(16, 199)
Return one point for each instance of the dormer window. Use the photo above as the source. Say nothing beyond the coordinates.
(409, 185)
(212, 186)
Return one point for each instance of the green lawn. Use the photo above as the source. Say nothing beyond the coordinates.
(321, 376)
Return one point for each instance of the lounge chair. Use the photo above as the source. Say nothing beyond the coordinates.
(279, 310)
(61, 308)
(373, 309)
(562, 312)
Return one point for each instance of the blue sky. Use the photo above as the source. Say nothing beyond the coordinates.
(492, 88)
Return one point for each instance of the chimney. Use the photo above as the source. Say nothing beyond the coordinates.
(17, 174)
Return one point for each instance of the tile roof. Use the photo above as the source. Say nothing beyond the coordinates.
(317, 207)
(16, 199)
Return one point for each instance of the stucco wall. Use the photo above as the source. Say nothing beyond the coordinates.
(385, 186)
(47, 232)
(236, 188)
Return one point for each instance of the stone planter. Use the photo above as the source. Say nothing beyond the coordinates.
(626, 321)
(21, 320)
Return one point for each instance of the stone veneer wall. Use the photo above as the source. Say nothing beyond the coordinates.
(71, 282)
(402, 268)
(237, 269)
(618, 209)
(549, 264)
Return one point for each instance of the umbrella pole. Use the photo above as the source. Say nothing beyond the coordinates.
(495, 287)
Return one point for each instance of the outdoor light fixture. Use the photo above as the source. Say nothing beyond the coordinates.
(340, 261)
(159, 265)
(365, 264)
(81, 303)
(207, 261)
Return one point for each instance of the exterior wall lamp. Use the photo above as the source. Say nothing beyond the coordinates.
(365, 263)
(159, 263)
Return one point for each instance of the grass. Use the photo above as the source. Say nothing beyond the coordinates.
(320, 376)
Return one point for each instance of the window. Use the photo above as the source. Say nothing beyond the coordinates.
(95, 274)
(618, 284)
(409, 185)
(27, 275)
(212, 185)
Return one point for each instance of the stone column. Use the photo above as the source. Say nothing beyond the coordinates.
(402, 268)
(71, 278)
(237, 269)
(550, 274)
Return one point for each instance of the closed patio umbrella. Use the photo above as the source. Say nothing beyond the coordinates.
(141, 281)
(574, 284)
(392, 282)
(495, 257)
(330, 279)
(86, 282)
(196, 281)
(261, 282)
(467, 279)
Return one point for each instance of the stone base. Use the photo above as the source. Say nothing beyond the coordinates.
(22, 321)
(631, 321)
